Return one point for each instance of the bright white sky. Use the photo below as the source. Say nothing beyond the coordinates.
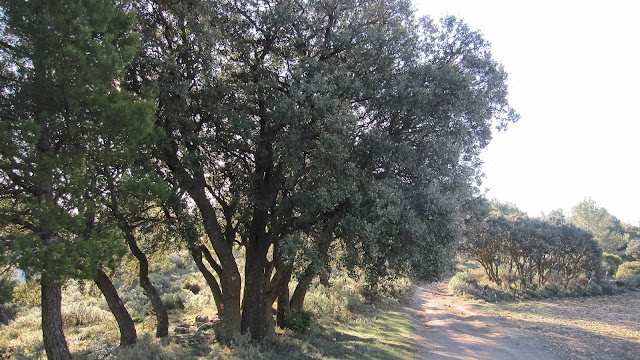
(574, 77)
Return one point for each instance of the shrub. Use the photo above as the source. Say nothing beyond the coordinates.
(464, 283)
(592, 289)
(192, 285)
(149, 349)
(83, 313)
(610, 263)
(135, 300)
(173, 301)
(27, 293)
(389, 288)
(341, 301)
(549, 290)
(299, 321)
(628, 268)
(7, 313)
(631, 281)
(608, 287)
(199, 303)
(6, 289)
(633, 249)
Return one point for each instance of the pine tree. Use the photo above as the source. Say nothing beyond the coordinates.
(63, 116)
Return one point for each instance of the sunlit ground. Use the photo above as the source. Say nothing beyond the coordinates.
(600, 327)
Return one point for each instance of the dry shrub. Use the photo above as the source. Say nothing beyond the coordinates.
(341, 301)
(148, 348)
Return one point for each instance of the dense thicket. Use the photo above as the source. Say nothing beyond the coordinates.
(288, 134)
(522, 252)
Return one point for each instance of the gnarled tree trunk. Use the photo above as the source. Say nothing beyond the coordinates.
(127, 328)
(162, 327)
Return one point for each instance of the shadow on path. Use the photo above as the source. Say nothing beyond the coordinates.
(447, 329)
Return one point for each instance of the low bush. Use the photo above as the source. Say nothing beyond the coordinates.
(342, 301)
(464, 283)
(592, 289)
(83, 313)
(628, 268)
(6, 289)
(610, 263)
(609, 287)
(199, 303)
(173, 301)
(631, 281)
(148, 348)
(7, 313)
(299, 321)
(633, 249)
(391, 288)
(192, 285)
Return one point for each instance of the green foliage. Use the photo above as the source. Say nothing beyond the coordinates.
(67, 121)
(299, 321)
(7, 313)
(633, 249)
(464, 283)
(173, 301)
(628, 268)
(7, 285)
(523, 253)
(27, 293)
(606, 228)
(192, 285)
(341, 301)
(631, 281)
(83, 313)
(276, 127)
(610, 263)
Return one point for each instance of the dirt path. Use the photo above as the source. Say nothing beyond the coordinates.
(449, 329)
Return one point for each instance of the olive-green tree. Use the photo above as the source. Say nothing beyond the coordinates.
(288, 125)
(606, 228)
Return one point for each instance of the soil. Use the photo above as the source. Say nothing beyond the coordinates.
(583, 328)
(448, 328)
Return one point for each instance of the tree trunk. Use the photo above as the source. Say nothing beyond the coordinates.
(297, 299)
(127, 328)
(196, 255)
(283, 307)
(232, 319)
(254, 301)
(162, 318)
(55, 343)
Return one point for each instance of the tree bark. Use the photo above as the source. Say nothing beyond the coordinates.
(227, 270)
(55, 343)
(283, 307)
(162, 318)
(297, 299)
(196, 254)
(254, 301)
(127, 328)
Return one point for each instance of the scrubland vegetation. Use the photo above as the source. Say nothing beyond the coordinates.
(166, 159)
(513, 256)
(346, 318)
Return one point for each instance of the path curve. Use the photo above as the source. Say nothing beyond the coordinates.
(447, 328)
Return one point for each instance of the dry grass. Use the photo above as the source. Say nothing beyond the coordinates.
(601, 327)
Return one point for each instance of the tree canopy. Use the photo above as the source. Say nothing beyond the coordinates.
(287, 134)
(606, 228)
